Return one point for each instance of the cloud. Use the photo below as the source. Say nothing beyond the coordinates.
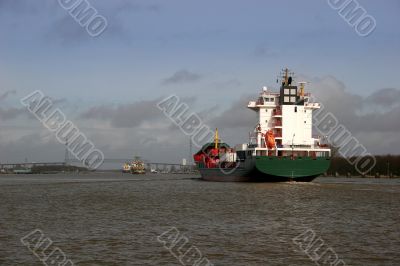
(264, 50)
(182, 76)
(4, 95)
(141, 128)
(66, 30)
(129, 115)
(14, 112)
(373, 119)
(35, 145)
(228, 84)
(20, 6)
(59, 101)
(236, 116)
(377, 112)
(336, 97)
(387, 97)
(130, 7)
(11, 113)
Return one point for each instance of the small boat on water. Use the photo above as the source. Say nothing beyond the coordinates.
(153, 171)
(281, 146)
(137, 166)
(126, 168)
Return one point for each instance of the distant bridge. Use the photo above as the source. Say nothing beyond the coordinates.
(122, 161)
(26, 164)
(149, 165)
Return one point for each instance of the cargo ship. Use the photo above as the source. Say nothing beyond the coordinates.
(281, 147)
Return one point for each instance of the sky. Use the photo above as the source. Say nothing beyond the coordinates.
(214, 55)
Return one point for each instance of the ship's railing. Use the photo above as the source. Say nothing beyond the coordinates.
(253, 137)
(313, 105)
(267, 93)
(320, 142)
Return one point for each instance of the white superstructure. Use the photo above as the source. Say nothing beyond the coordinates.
(288, 114)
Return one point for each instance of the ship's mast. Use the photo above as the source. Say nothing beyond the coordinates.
(302, 84)
(66, 155)
(286, 76)
(216, 139)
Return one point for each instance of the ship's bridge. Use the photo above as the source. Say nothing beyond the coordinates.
(264, 100)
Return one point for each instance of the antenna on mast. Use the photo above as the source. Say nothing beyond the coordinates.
(190, 152)
(66, 157)
(287, 77)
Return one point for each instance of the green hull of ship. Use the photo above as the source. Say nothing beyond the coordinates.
(270, 169)
(299, 168)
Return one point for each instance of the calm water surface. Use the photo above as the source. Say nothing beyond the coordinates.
(114, 219)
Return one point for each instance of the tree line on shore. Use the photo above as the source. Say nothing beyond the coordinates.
(386, 166)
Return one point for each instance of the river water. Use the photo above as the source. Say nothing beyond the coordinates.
(115, 219)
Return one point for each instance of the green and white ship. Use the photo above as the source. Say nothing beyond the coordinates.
(281, 147)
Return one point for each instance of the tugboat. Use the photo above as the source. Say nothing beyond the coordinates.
(126, 168)
(138, 166)
(281, 146)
